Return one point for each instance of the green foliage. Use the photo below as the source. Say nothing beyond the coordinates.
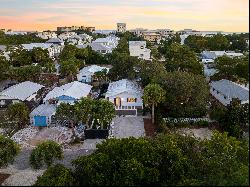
(4, 66)
(235, 69)
(45, 153)
(8, 150)
(153, 94)
(69, 68)
(217, 111)
(182, 58)
(84, 109)
(186, 95)
(56, 175)
(238, 42)
(197, 43)
(167, 42)
(20, 112)
(167, 159)
(218, 42)
(19, 39)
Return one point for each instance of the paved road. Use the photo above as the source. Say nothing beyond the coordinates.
(125, 127)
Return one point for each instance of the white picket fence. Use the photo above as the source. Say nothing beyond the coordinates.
(187, 120)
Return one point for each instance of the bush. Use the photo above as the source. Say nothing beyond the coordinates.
(56, 175)
(8, 150)
(45, 153)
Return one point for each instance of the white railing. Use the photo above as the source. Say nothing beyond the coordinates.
(125, 108)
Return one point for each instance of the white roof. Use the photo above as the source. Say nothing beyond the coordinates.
(123, 85)
(20, 91)
(44, 110)
(231, 89)
(137, 43)
(33, 45)
(74, 89)
(92, 69)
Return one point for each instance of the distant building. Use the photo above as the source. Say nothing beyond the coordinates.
(47, 35)
(25, 91)
(73, 28)
(138, 31)
(126, 96)
(66, 35)
(86, 73)
(224, 91)
(121, 27)
(138, 49)
(151, 36)
(165, 32)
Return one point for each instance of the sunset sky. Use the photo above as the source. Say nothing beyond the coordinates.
(213, 15)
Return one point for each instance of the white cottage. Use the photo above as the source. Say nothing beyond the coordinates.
(86, 73)
(126, 95)
(138, 49)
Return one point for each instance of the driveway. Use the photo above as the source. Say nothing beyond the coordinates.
(125, 127)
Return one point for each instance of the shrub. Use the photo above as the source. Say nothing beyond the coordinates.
(45, 153)
(8, 150)
(56, 175)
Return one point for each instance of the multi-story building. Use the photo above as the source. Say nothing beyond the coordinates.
(151, 36)
(138, 49)
(138, 31)
(121, 27)
(73, 28)
(165, 32)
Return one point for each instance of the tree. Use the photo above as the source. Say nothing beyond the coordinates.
(153, 95)
(45, 153)
(56, 175)
(181, 58)
(20, 112)
(197, 43)
(84, 109)
(167, 42)
(186, 95)
(69, 68)
(104, 112)
(218, 42)
(20, 57)
(9, 149)
(4, 66)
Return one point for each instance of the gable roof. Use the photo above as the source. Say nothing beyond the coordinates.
(123, 85)
(92, 69)
(44, 110)
(54, 40)
(20, 91)
(33, 45)
(74, 89)
(231, 89)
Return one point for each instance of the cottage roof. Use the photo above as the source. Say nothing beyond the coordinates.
(74, 89)
(92, 69)
(123, 85)
(44, 110)
(20, 91)
(231, 89)
(54, 40)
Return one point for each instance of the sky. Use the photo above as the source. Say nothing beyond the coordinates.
(206, 15)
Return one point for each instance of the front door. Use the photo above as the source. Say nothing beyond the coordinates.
(117, 101)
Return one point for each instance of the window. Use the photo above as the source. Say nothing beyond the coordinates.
(131, 100)
(2, 102)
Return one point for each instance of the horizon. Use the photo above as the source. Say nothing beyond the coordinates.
(202, 15)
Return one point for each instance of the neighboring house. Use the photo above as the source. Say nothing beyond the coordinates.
(126, 95)
(164, 32)
(66, 35)
(53, 49)
(55, 41)
(121, 27)
(138, 31)
(212, 55)
(75, 40)
(47, 35)
(42, 115)
(86, 73)
(138, 49)
(68, 93)
(25, 91)
(151, 36)
(224, 90)
(15, 33)
(98, 47)
(105, 32)
(86, 38)
(110, 41)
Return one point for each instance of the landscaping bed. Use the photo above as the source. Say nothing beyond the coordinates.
(150, 129)
(3, 177)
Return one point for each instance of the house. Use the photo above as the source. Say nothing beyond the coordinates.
(151, 36)
(86, 38)
(138, 31)
(224, 91)
(86, 73)
(164, 32)
(138, 49)
(126, 96)
(55, 41)
(110, 41)
(47, 35)
(105, 32)
(66, 35)
(75, 40)
(42, 115)
(25, 91)
(53, 49)
(68, 93)
(212, 55)
(121, 27)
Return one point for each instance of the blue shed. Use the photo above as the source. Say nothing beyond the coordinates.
(41, 116)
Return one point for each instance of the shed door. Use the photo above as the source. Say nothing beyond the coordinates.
(40, 121)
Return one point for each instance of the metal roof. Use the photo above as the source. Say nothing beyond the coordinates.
(231, 89)
(20, 91)
(44, 110)
(74, 89)
(54, 40)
